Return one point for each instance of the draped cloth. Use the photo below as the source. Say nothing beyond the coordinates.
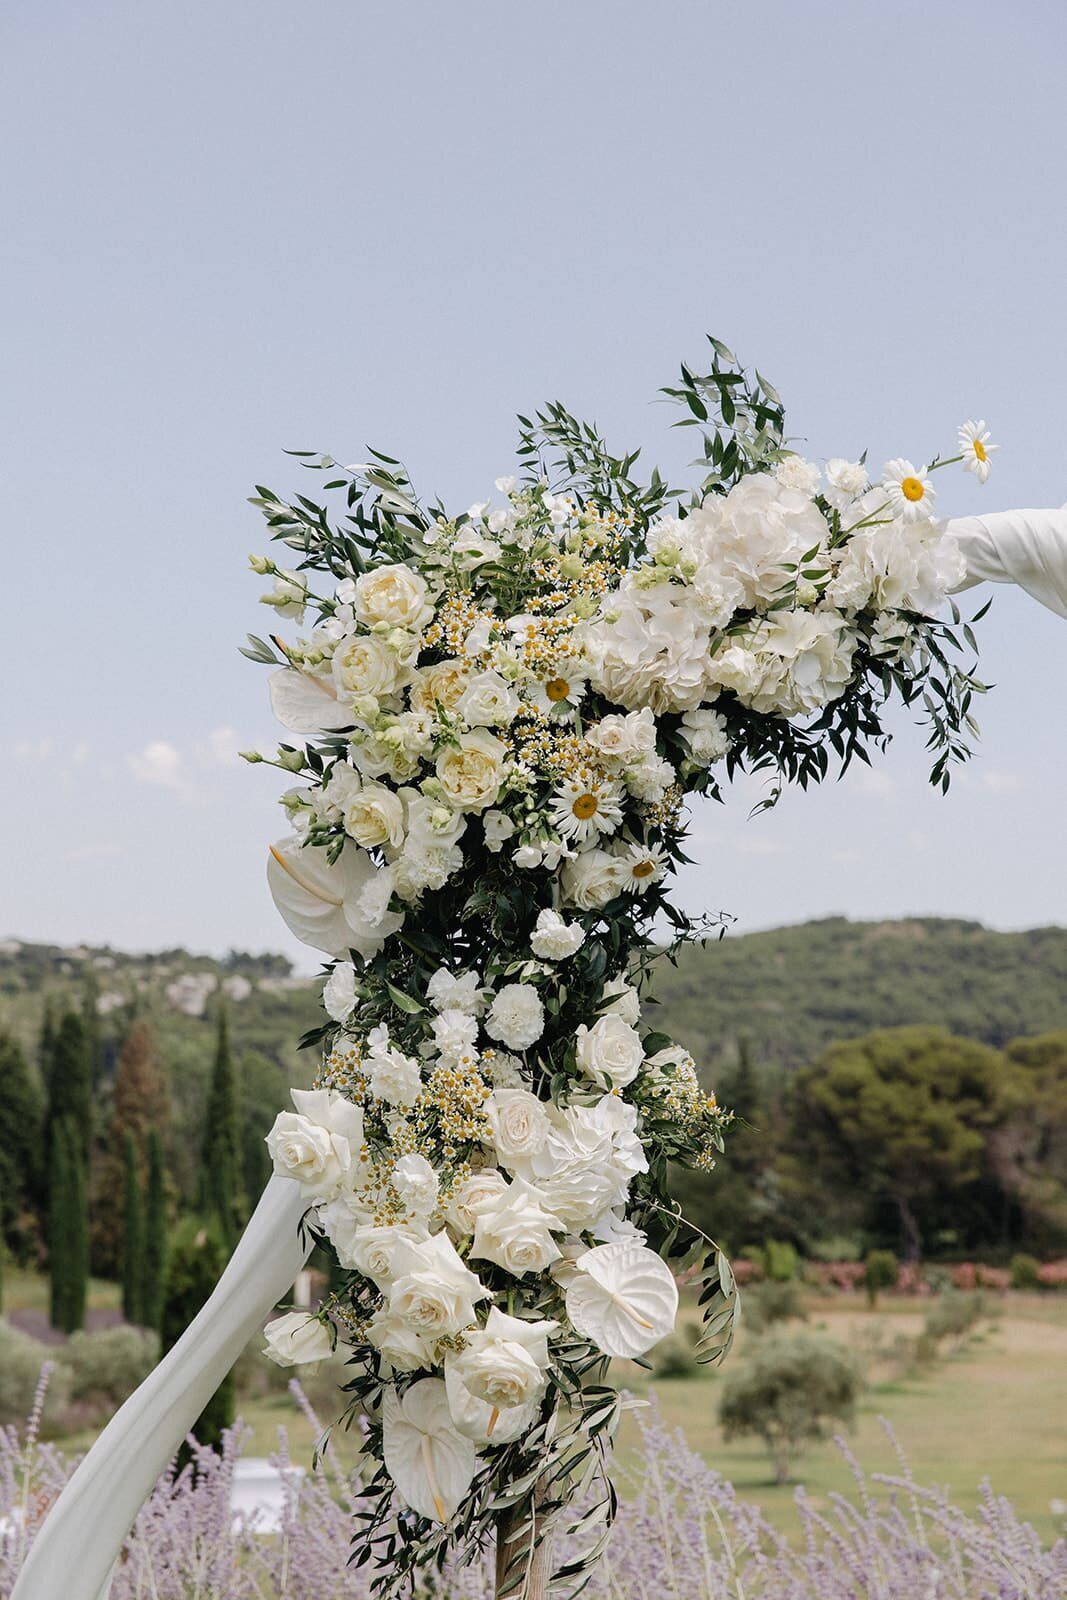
(74, 1554)
(1028, 548)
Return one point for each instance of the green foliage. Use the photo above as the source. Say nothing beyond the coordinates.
(953, 1314)
(1024, 1272)
(777, 1259)
(155, 1234)
(221, 1194)
(93, 1372)
(69, 1084)
(196, 1258)
(21, 1122)
(109, 1363)
(766, 1304)
(880, 1271)
(21, 1360)
(788, 1392)
(68, 1228)
(133, 1239)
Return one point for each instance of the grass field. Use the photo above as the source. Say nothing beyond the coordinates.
(996, 1409)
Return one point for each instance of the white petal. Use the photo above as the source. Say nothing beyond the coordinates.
(483, 1423)
(318, 901)
(305, 703)
(430, 1461)
(623, 1297)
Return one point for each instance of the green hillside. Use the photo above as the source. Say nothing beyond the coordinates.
(794, 990)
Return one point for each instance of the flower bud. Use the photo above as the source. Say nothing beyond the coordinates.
(291, 760)
(251, 756)
(261, 564)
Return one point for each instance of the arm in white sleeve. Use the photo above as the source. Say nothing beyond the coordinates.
(1028, 548)
(75, 1551)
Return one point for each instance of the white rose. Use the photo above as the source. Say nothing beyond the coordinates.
(502, 1372)
(610, 1052)
(515, 1231)
(587, 1161)
(472, 771)
(375, 816)
(704, 731)
(364, 664)
(373, 1250)
(516, 1017)
(297, 1340)
(395, 595)
(620, 999)
(443, 683)
(590, 880)
(553, 938)
(518, 1122)
(433, 1292)
(466, 1195)
(416, 1184)
(456, 991)
(488, 701)
(381, 755)
(339, 992)
(624, 738)
(454, 1035)
(400, 1345)
(498, 828)
(528, 856)
(319, 1144)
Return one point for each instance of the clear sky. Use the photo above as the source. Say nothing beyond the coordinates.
(235, 226)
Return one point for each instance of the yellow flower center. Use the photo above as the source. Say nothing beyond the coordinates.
(643, 869)
(979, 449)
(912, 489)
(557, 689)
(585, 806)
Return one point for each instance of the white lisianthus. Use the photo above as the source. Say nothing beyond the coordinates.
(516, 1017)
(416, 1184)
(432, 1291)
(468, 1194)
(518, 1123)
(591, 880)
(289, 595)
(298, 1340)
(431, 823)
(610, 1052)
(339, 992)
(391, 1075)
(454, 1034)
(374, 816)
(385, 755)
(488, 701)
(515, 1231)
(364, 664)
(472, 770)
(498, 828)
(704, 731)
(320, 1144)
(620, 998)
(553, 938)
(456, 991)
(395, 595)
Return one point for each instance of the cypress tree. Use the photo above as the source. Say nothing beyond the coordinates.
(68, 1227)
(155, 1239)
(21, 1120)
(70, 1084)
(94, 1041)
(139, 1103)
(196, 1258)
(220, 1156)
(133, 1239)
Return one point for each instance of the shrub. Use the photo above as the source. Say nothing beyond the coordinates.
(676, 1357)
(21, 1361)
(1024, 1272)
(777, 1259)
(880, 1271)
(787, 1393)
(768, 1303)
(109, 1363)
(951, 1317)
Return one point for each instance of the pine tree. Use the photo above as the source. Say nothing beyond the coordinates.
(155, 1239)
(68, 1227)
(21, 1126)
(220, 1157)
(196, 1258)
(133, 1240)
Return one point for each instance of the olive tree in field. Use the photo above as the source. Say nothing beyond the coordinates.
(789, 1392)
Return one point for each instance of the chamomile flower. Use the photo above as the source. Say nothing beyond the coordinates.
(910, 492)
(640, 866)
(976, 449)
(585, 806)
(557, 691)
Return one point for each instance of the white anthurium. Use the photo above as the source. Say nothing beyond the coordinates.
(320, 903)
(502, 1367)
(478, 1420)
(623, 1298)
(304, 702)
(430, 1461)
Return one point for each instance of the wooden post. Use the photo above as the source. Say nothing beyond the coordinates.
(521, 1573)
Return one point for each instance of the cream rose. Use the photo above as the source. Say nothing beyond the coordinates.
(471, 771)
(365, 665)
(610, 1052)
(297, 1340)
(395, 595)
(374, 816)
(515, 1231)
(518, 1122)
(444, 683)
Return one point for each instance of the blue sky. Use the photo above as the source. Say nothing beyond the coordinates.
(233, 228)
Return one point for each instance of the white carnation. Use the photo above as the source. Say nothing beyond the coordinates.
(339, 992)
(704, 731)
(553, 938)
(416, 1184)
(456, 991)
(516, 1017)
(454, 1035)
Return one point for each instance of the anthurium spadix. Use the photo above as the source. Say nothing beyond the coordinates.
(430, 1461)
(305, 702)
(623, 1297)
(321, 904)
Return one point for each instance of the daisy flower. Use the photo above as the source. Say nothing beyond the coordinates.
(586, 806)
(911, 494)
(976, 449)
(557, 690)
(641, 866)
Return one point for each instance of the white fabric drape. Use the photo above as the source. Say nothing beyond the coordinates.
(1028, 548)
(74, 1553)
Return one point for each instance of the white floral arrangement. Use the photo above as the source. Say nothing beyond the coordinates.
(501, 714)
